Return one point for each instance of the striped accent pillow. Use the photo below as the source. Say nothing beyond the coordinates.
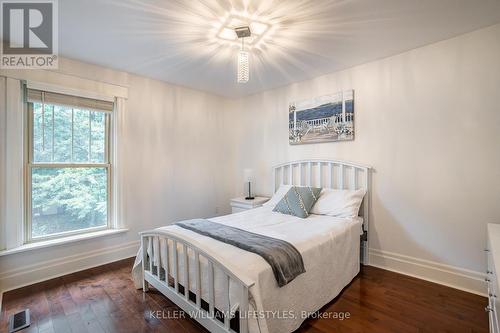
(298, 201)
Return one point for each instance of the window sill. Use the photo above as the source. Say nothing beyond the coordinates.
(60, 241)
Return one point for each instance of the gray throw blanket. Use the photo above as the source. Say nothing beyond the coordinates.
(283, 257)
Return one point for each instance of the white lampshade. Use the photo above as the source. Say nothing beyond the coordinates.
(248, 175)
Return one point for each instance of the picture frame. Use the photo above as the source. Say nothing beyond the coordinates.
(327, 118)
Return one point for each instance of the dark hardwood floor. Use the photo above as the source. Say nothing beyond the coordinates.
(103, 299)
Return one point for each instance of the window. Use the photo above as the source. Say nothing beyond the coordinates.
(68, 177)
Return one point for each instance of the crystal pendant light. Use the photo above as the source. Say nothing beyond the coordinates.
(243, 67)
(243, 56)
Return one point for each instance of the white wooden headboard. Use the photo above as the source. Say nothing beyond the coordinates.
(329, 174)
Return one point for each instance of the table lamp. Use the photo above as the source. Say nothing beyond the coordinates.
(248, 175)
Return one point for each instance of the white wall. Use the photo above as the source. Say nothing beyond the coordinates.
(170, 151)
(428, 121)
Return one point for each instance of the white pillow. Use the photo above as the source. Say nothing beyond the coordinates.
(277, 196)
(339, 203)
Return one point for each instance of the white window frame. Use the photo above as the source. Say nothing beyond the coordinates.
(30, 164)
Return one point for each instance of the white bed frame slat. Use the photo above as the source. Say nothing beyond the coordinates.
(150, 247)
(167, 261)
(354, 179)
(158, 270)
(186, 271)
(300, 174)
(227, 313)
(244, 309)
(198, 278)
(341, 180)
(320, 174)
(144, 245)
(175, 269)
(274, 178)
(309, 167)
(211, 293)
(309, 174)
(330, 174)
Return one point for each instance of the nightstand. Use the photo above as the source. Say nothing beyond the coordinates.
(241, 204)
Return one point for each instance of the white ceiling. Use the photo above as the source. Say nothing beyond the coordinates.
(174, 40)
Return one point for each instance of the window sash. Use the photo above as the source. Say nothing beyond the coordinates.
(28, 238)
(107, 143)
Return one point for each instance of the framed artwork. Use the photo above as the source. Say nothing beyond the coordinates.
(322, 119)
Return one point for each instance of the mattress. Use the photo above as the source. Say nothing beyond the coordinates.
(329, 247)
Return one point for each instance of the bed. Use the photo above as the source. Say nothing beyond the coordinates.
(227, 289)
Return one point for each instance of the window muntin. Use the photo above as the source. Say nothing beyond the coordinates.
(69, 173)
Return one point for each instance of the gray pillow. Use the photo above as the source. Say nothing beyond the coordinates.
(298, 201)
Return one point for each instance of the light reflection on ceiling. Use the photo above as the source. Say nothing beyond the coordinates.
(188, 42)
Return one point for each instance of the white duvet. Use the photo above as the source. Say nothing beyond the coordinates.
(329, 247)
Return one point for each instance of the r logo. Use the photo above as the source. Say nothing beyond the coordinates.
(27, 27)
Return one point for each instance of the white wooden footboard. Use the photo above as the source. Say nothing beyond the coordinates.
(215, 320)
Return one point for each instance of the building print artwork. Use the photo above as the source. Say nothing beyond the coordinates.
(322, 119)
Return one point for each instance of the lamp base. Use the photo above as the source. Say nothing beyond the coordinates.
(249, 197)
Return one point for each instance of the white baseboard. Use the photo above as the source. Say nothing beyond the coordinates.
(451, 276)
(27, 275)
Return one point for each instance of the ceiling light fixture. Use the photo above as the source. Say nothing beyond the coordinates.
(224, 30)
(243, 56)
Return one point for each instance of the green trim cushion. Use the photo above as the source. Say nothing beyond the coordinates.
(298, 201)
